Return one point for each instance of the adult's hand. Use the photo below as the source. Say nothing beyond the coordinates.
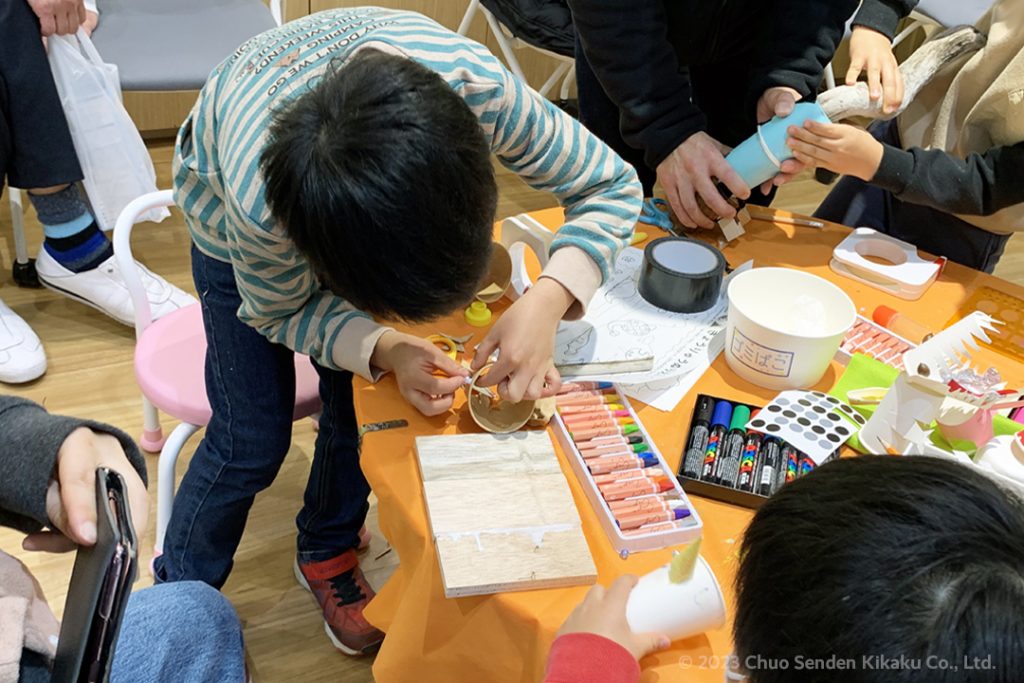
(779, 101)
(71, 496)
(92, 20)
(871, 51)
(603, 612)
(59, 17)
(690, 170)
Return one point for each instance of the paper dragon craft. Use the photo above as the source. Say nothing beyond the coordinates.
(939, 385)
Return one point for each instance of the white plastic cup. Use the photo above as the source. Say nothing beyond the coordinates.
(785, 326)
(677, 610)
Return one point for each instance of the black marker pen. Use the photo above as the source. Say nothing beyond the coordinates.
(700, 430)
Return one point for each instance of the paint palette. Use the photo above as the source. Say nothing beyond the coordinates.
(1003, 307)
(812, 422)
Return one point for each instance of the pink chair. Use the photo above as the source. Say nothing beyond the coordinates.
(169, 362)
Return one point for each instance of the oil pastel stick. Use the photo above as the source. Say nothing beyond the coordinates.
(700, 429)
(748, 462)
(628, 483)
(791, 459)
(573, 419)
(614, 439)
(608, 430)
(639, 519)
(659, 526)
(771, 454)
(719, 426)
(615, 449)
(621, 462)
(565, 411)
(727, 466)
(589, 400)
(634, 488)
(569, 387)
(631, 473)
(652, 501)
(582, 424)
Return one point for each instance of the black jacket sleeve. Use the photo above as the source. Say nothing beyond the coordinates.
(883, 15)
(627, 45)
(979, 185)
(29, 441)
(798, 42)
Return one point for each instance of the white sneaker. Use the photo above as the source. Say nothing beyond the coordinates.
(22, 358)
(104, 289)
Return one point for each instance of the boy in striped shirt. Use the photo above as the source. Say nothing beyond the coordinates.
(338, 168)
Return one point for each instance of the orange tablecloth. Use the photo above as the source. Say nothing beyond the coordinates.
(505, 638)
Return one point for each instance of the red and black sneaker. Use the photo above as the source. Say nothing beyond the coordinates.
(341, 590)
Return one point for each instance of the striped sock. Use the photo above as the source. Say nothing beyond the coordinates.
(72, 237)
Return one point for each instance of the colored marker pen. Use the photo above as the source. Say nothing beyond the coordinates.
(638, 520)
(569, 387)
(631, 473)
(700, 429)
(719, 425)
(771, 453)
(791, 458)
(634, 488)
(804, 465)
(584, 409)
(609, 430)
(727, 466)
(621, 462)
(748, 462)
(658, 527)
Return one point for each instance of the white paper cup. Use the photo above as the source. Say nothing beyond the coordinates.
(784, 326)
(677, 610)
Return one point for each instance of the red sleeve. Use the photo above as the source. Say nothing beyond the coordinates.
(590, 658)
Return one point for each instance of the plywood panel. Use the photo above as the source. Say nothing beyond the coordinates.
(501, 514)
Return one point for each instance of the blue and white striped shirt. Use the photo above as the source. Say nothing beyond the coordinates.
(218, 185)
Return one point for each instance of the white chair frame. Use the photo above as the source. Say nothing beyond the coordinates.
(565, 71)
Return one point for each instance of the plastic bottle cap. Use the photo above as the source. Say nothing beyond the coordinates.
(883, 315)
(740, 417)
(478, 315)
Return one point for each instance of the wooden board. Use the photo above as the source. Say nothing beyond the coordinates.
(501, 514)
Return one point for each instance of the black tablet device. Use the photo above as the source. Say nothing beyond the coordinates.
(100, 584)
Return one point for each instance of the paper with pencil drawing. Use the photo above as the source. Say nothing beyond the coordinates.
(620, 325)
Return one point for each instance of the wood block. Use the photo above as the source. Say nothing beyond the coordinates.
(501, 514)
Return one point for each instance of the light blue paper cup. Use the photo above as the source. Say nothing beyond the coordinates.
(755, 158)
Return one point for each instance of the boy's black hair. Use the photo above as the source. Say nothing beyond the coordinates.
(381, 176)
(883, 556)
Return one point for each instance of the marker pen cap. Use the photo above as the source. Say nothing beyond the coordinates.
(740, 417)
(704, 410)
(722, 413)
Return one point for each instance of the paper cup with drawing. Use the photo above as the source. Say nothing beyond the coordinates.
(784, 326)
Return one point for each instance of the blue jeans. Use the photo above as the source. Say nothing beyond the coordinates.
(179, 632)
(858, 204)
(250, 383)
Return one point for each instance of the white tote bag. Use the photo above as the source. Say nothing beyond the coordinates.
(114, 160)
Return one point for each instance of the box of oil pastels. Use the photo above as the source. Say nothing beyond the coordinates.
(742, 454)
(638, 500)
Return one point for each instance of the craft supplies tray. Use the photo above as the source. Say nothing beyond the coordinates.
(1005, 308)
(767, 468)
(633, 540)
(873, 340)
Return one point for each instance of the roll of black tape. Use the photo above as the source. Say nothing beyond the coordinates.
(681, 275)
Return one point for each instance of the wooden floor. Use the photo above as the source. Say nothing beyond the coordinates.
(90, 375)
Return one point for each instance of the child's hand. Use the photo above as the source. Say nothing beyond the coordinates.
(71, 496)
(525, 340)
(837, 147)
(603, 612)
(415, 363)
(872, 51)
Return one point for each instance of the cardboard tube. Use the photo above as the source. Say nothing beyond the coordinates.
(495, 415)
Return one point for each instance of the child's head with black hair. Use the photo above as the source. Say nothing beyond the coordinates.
(381, 176)
(884, 556)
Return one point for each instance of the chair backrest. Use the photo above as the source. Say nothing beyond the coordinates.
(175, 44)
(123, 253)
(954, 12)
